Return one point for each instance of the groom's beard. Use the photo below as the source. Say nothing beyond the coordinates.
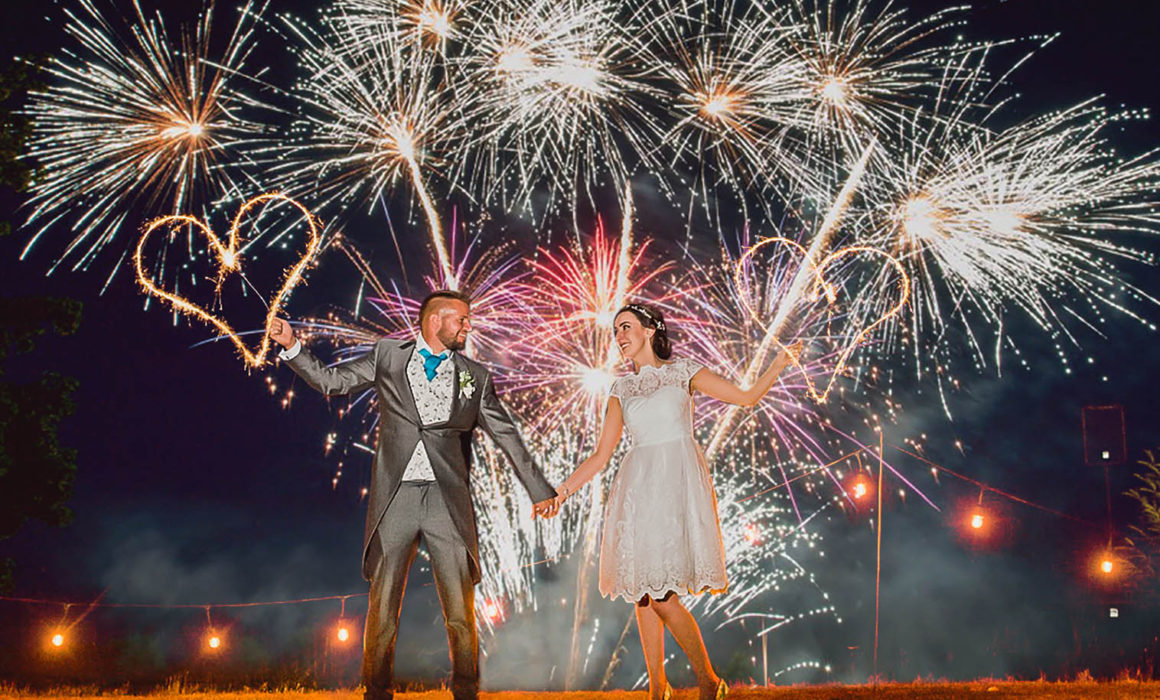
(452, 342)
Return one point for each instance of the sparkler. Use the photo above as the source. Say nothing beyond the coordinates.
(824, 286)
(130, 122)
(807, 272)
(229, 256)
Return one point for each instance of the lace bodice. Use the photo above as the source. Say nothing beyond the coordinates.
(656, 402)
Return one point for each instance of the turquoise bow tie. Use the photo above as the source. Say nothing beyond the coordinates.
(431, 362)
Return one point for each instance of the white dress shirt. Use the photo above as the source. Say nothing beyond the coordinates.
(433, 399)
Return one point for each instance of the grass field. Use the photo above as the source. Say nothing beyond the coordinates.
(987, 689)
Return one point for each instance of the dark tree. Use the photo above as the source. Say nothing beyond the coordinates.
(1145, 540)
(36, 472)
(15, 82)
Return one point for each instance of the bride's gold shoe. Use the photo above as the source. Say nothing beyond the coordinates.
(668, 694)
(719, 694)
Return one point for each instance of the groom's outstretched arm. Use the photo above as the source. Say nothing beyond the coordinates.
(346, 378)
(494, 419)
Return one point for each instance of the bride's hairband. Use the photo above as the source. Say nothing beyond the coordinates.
(657, 323)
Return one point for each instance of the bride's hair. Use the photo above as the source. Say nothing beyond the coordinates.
(651, 317)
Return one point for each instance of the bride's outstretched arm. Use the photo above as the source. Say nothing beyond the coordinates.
(609, 437)
(720, 388)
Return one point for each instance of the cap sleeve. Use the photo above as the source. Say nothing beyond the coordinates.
(688, 368)
(617, 389)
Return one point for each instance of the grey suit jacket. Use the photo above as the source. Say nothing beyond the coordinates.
(400, 429)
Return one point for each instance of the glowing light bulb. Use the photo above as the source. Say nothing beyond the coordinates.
(976, 521)
(1106, 566)
(343, 634)
(58, 640)
(860, 490)
(214, 642)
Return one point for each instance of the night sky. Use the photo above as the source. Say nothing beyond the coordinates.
(194, 486)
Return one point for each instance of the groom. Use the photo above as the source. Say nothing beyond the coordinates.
(430, 399)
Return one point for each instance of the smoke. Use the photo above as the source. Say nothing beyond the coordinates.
(206, 554)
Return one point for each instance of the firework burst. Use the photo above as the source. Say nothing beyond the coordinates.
(560, 95)
(736, 87)
(1026, 220)
(866, 68)
(132, 122)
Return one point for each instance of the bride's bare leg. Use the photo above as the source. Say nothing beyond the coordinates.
(684, 628)
(652, 640)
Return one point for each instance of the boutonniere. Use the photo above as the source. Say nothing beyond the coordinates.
(466, 384)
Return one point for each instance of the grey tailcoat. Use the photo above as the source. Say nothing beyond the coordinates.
(400, 429)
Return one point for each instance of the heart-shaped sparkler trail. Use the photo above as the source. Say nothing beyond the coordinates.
(822, 286)
(229, 262)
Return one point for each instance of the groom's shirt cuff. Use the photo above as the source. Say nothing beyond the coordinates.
(291, 352)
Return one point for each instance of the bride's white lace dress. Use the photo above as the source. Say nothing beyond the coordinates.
(661, 531)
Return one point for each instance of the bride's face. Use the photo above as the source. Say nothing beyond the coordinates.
(632, 338)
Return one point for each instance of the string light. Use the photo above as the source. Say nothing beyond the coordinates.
(343, 633)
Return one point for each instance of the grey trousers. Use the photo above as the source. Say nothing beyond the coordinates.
(418, 511)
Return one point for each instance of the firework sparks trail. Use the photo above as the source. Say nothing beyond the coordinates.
(375, 113)
(429, 23)
(802, 278)
(736, 93)
(130, 120)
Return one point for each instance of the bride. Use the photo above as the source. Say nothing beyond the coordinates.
(661, 535)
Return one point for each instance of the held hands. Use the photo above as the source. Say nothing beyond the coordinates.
(547, 508)
(550, 507)
(281, 333)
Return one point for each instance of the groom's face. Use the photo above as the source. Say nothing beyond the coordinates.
(454, 325)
